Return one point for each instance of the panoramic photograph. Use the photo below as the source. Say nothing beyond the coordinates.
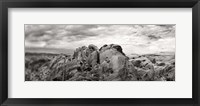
(99, 52)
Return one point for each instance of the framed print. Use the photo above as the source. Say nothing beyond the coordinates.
(82, 52)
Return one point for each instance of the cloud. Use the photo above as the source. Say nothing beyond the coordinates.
(133, 38)
(34, 33)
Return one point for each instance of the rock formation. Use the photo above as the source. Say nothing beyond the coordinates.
(109, 63)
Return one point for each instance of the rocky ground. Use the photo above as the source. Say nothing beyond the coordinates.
(108, 63)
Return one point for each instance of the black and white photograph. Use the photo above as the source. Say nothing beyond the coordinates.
(99, 52)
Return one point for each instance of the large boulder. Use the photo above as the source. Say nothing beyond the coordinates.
(105, 68)
(87, 55)
(92, 47)
(143, 62)
(80, 53)
(93, 58)
(131, 72)
(111, 46)
(145, 68)
(113, 61)
(104, 48)
(118, 48)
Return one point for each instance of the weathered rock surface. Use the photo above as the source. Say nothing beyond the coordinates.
(108, 63)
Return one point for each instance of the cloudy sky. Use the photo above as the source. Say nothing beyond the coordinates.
(139, 39)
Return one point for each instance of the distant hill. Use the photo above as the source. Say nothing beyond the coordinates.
(49, 50)
(166, 53)
(153, 54)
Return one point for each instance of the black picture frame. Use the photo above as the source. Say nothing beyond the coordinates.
(5, 4)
